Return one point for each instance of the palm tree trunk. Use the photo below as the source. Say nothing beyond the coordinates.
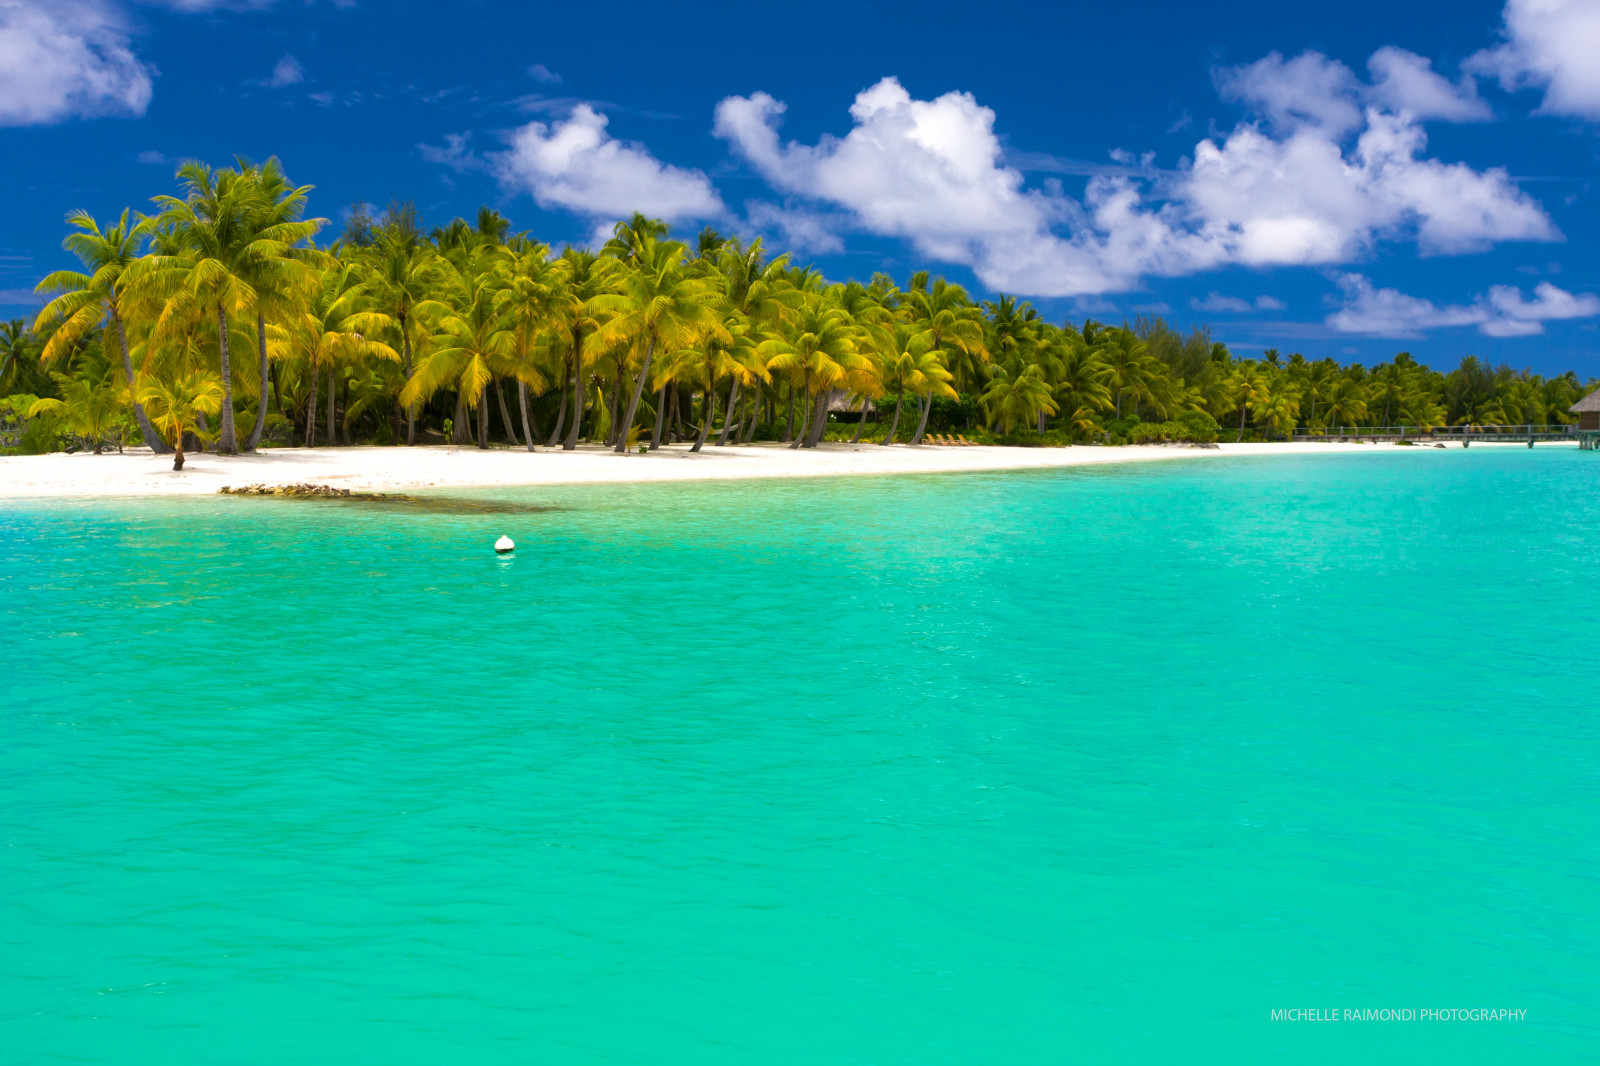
(638, 391)
(727, 417)
(757, 402)
(411, 408)
(344, 408)
(894, 426)
(788, 422)
(266, 380)
(578, 398)
(577, 408)
(561, 413)
(710, 414)
(333, 410)
(922, 423)
(616, 407)
(152, 439)
(805, 411)
(661, 415)
(522, 398)
(1241, 424)
(227, 438)
(483, 418)
(311, 412)
(505, 414)
(177, 452)
(861, 423)
(815, 432)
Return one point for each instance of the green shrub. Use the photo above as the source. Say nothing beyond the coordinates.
(41, 435)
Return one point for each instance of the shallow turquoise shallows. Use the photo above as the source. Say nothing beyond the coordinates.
(1082, 766)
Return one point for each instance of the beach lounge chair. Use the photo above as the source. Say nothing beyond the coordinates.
(962, 440)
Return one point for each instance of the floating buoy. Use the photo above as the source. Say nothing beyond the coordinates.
(505, 545)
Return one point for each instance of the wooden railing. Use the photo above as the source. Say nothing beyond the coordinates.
(1465, 434)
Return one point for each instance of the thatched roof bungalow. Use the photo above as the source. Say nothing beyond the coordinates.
(1588, 411)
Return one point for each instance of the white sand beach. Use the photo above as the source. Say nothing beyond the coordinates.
(391, 469)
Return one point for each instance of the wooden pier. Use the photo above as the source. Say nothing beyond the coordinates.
(1465, 436)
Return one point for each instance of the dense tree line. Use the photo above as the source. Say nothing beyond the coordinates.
(218, 320)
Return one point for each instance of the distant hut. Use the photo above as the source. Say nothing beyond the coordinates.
(1588, 411)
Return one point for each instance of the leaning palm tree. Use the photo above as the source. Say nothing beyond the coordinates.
(87, 300)
(912, 365)
(283, 278)
(225, 256)
(177, 406)
(658, 306)
(954, 325)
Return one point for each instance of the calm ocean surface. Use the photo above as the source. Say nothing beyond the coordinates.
(1098, 765)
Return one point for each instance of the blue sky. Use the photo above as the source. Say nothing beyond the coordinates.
(1348, 180)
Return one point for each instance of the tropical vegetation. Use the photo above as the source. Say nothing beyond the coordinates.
(218, 319)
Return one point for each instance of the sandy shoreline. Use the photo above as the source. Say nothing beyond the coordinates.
(371, 469)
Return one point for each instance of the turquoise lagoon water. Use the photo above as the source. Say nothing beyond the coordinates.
(1093, 766)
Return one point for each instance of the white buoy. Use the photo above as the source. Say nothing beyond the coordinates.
(505, 545)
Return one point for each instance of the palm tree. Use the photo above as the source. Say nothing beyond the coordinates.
(87, 300)
(914, 365)
(1347, 402)
(1277, 406)
(1127, 362)
(1020, 398)
(954, 325)
(176, 406)
(403, 271)
(284, 278)
(226, 255)
(578, 283)
(658, 305)
(821, 353)
(469, 343)
(1247, 384)
(17, 354)
(1080, 385)
(335, 326)
(526, 301)
(90, 404)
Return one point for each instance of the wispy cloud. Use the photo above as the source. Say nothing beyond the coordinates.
(288, 71)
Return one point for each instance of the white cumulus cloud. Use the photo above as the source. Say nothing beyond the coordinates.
(1313, 90)
(575, 164)
(1549, 45)
(1503, 311)
(931, 172)
(66, 59)
(1304, 199)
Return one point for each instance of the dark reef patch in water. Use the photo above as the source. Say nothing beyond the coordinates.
(390, 500)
